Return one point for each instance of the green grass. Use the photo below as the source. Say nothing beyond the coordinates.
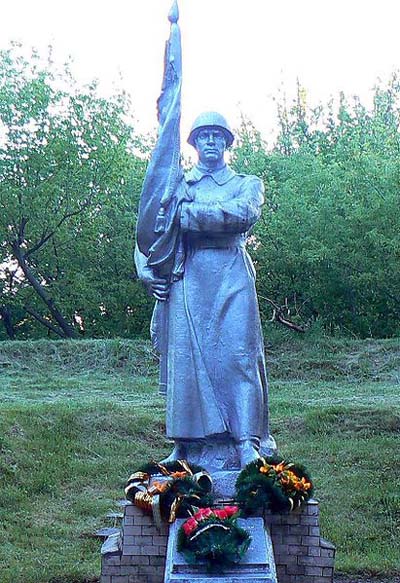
(77, 417)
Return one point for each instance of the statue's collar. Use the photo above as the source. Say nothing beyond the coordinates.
(220, 176)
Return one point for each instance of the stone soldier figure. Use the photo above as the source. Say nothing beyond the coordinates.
(212, 349)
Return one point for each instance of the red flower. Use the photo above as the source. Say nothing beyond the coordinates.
(203, 513)
(190, 525)
(231, 510)
(221, 513)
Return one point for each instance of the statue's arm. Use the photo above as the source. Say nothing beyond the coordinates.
(156, 286)
(236, 215)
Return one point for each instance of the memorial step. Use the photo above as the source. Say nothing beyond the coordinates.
(257, 565)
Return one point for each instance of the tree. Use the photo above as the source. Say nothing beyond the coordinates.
(328, 244)
(66, 155)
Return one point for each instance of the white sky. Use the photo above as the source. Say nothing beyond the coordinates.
(236, 53)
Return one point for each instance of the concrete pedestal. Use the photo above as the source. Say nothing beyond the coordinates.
(256, 566)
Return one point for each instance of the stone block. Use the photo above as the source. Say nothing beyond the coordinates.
(257, 564)
(112, 560)
(316, 561)
(160, 540)
(132, 530)
(296, 569)
(143, 519)
(312, 541)
(111, 570)
(292, 539)
(273, 518)
(312, 509)
(293, 518)
(313, 571)
(296, 529)
(146, 570)
(150, 550)
(309, 520)
(297, 550)
(281, 549)
(314, 551)
(157, 561)
(130, 550)
(159, 578)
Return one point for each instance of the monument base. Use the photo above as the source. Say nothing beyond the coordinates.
(257, 564)
(220, 453)
(301, 554)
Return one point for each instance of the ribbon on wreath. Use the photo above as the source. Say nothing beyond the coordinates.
(147, 493)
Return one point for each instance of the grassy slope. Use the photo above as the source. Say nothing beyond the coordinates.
(76, 418)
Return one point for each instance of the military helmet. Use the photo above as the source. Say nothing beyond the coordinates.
(211, 119)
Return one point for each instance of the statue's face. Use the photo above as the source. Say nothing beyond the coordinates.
(210, 145)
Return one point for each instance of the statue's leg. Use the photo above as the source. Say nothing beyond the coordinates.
(248, 450)
(178, 453)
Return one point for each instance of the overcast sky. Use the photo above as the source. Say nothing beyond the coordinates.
(236, 54)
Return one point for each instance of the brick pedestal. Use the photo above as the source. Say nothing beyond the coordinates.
(143, 548)
(301, 554)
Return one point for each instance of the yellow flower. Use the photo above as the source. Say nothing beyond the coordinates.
(279, 467)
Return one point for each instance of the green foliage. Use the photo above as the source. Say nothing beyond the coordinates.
(267, 484)
(70, 175)
(218, 543)
(328, 245)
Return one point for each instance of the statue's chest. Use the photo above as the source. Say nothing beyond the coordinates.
(207, 190)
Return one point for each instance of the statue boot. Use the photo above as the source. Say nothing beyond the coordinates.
(178, 453)
(248, 452)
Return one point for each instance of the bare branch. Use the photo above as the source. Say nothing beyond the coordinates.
(277, 316)
(44, 321)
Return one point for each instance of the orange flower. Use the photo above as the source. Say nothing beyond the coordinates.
(302, 485)
(265, 469)
(160, 486)
(179, 474)
(279, 467)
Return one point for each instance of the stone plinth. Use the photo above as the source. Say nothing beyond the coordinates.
(301, 554)
(256, 566)
(140, 556)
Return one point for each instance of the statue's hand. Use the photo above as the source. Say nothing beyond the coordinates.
(157, 286)
(160, 289)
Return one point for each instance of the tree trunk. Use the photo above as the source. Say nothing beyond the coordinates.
(6, 316)
(66, 330)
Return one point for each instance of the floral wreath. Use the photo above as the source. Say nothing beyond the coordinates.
(171, 490)
(273, 484)
(213, 537)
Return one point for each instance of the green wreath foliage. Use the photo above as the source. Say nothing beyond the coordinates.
(218, 543)
(260, 486)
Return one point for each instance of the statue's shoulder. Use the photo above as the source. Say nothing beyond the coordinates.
(250, 181)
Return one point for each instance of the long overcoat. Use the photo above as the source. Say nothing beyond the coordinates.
(212, 346)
